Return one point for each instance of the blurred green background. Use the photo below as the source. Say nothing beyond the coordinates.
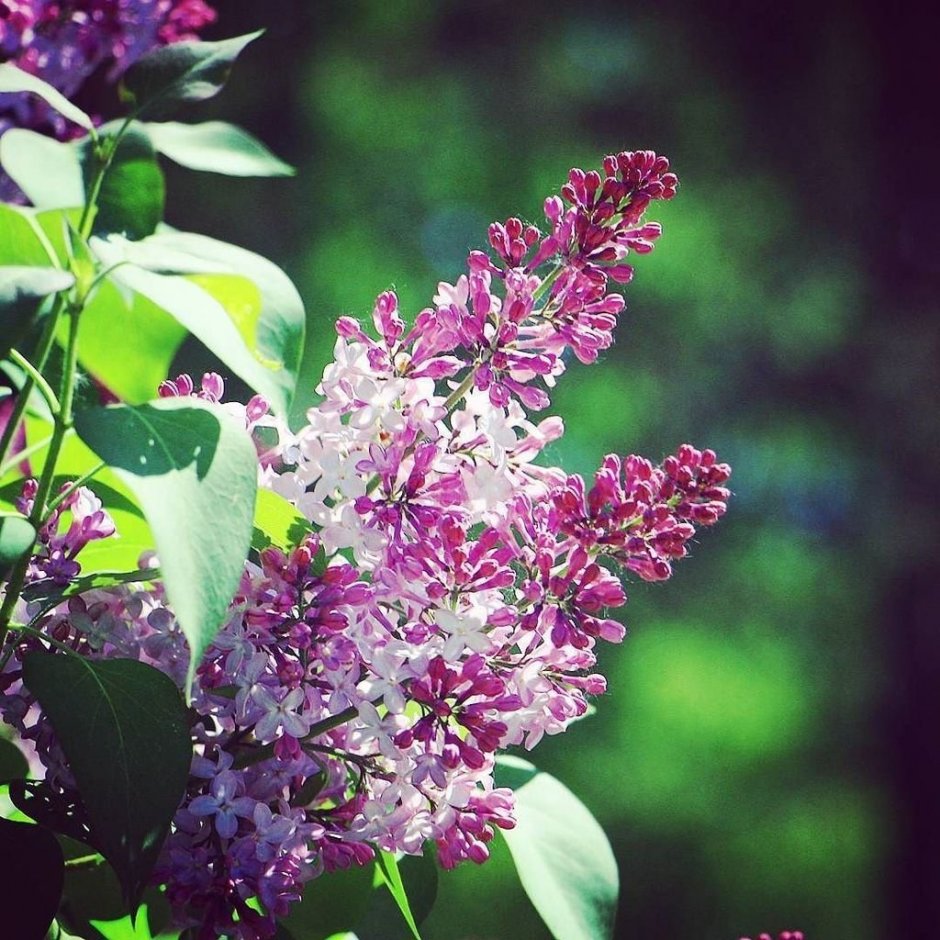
(765, 757)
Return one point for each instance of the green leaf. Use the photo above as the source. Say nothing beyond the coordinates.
(182, 72)
(382, 921)
(194, 471)
(147, 335)
(120, 552)
(563, 858)
(123, 728)
(12, 761)
(31, 874)
(277, 523)
(330, 903)
(244, 309)
(16, 536)
(216, 147)
(386, 868)
(23, 291)
(49, 172)
(21, 241)
(133, 193)
(13, 79)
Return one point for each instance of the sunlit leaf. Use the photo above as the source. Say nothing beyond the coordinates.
(13, 79)
(20, 241)
(562, 856)
(147, 335)
(277, 523)
(244, 309)
(216, 147)
(16, 536)
(48, 171)
(123, 728)
(194, 471)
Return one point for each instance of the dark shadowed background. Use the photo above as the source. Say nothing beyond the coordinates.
(766, 757)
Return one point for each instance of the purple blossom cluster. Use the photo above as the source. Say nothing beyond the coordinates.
(783, 935)
(65, 41)
(447, 600)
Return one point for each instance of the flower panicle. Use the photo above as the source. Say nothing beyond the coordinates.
(448, 597)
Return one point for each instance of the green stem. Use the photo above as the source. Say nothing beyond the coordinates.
(38, 380)
(321, 727)
(42, 354)
(84, 861)
(105, 151)
(63, 422)
(74, 485)
(22, 455)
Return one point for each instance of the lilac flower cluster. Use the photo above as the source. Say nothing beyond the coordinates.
(65, 41)
(448, 598)
(783, 935)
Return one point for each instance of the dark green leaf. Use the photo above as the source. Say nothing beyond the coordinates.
(182, 72)
(22, 293)
(31, 873)
(133, 193)
(383, 917)
(386, 868)
(16, 536)
(63, 814)
(194, 471)
(216, 147)
(331, 903)
(13, 79)
(49, 172)
(123, 728)
(12, 762)
(563, 858)
(277, 523)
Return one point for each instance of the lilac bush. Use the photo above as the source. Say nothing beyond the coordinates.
(333, 631)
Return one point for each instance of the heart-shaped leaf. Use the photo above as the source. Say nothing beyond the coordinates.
(194, 471)
(123, 728)
(49, 172)
(216, 147)
(13, 79)
(181, 72)
(31, 875)
(562, 856)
